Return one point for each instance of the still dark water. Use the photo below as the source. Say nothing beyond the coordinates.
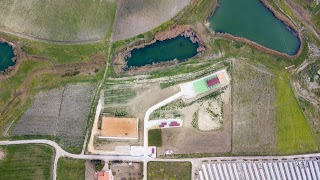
(6, 55)
(252, 20)
(179, 48)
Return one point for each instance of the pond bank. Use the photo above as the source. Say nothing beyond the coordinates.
(287, 23)
(15, 58)
(120, 61)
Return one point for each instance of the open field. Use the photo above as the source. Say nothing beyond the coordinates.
(139, 16)
(155, 138)
(140, 96)
(254, 107)
(124, 170)
(213, 109)
(71, 169)
(26, 162)
(58, 111)
(59, 20)
(169, 170)
(293, 133)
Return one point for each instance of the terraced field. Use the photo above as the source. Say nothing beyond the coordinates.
(59, 20)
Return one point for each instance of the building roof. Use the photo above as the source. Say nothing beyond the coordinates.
(104, 175)
(201, 86)
(212, 82)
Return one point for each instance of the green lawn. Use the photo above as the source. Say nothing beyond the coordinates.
(71, 169)
(293, 135)
(26, 162)
(155, 138)
(169, 170)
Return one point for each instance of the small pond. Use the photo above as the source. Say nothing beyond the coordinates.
(250, 19)
(6, 55)
(179, 48)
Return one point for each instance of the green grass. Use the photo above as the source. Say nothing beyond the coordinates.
(155, 138)
(71, 169)
(169, 170)
(199, 10)
(293, 135)
(63, 54)
(60, 20)
(26, 162)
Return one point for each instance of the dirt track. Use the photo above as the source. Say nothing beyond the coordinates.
(304, 17)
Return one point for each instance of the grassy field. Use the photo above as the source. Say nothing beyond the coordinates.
(71, 169)
(294, 135)
(155, 138)
(169, 170)
(59, 20)
(26, 162)
(252, 109)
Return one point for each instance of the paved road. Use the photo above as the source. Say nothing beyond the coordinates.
(62, 153)
(145, 130)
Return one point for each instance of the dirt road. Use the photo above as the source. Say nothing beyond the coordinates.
(304, 17)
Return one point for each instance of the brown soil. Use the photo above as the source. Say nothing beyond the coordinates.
(119, 127)
(187, 31)
(252, 109)
(281, 17)
(187, 140)
(303, 16)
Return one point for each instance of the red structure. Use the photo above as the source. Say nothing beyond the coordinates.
(174, 123)
(213, 82)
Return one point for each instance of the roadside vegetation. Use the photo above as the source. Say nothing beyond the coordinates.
(155, 138)
(71, 169)
(169, 170)
(26, 162)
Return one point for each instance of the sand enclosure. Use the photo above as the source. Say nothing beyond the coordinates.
(119, 127)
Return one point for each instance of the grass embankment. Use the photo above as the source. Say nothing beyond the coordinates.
(26, 162)
(155, 138)
(169, 170)
(294, 135)
(71, 169)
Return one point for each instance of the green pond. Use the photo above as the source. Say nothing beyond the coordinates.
(6, 55)
(252, 20)
(179, 48)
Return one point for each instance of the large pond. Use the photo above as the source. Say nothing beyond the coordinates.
(252, 20)
(179, 48)
(6, 55)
